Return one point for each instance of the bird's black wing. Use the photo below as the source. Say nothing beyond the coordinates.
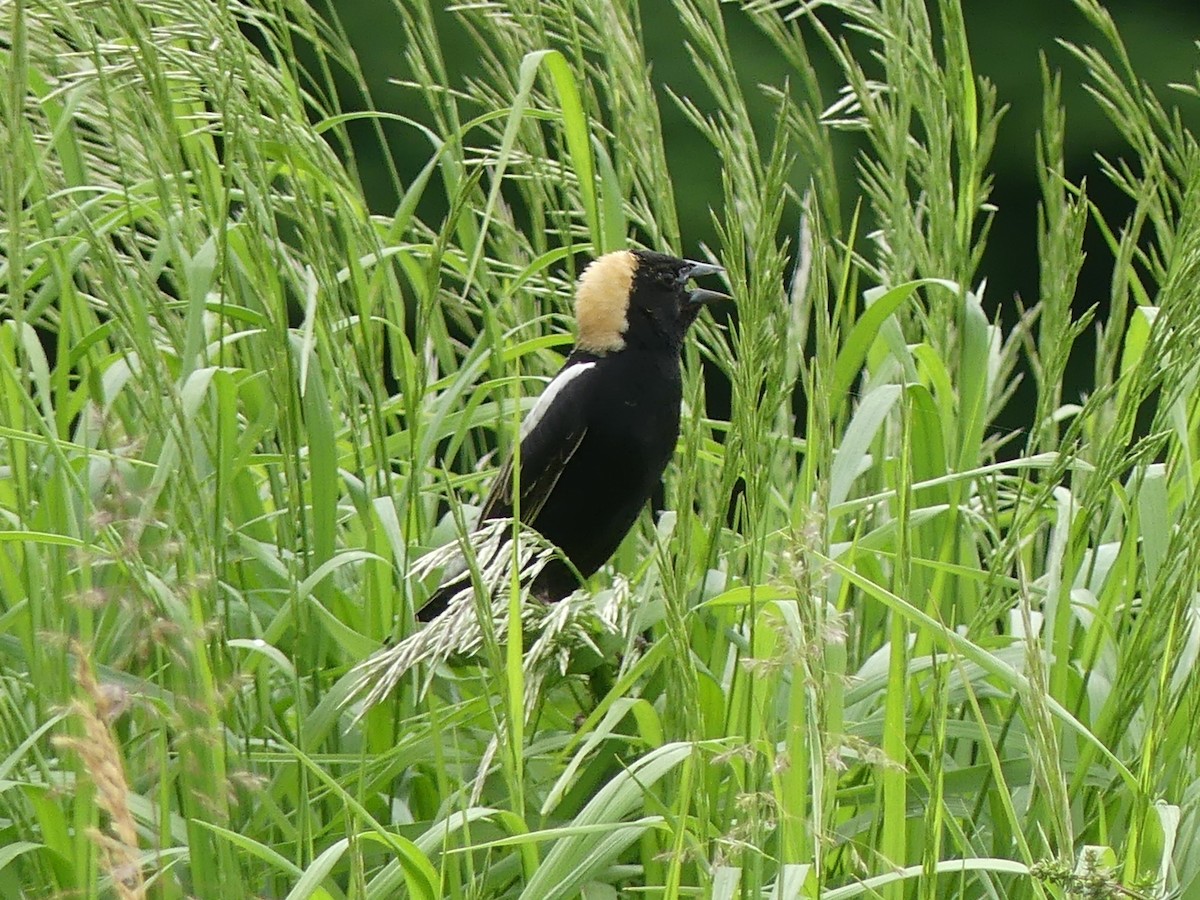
(550, 435)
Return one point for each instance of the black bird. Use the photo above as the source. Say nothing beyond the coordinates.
(595, 445)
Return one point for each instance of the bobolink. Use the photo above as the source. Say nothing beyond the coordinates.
(596, 443)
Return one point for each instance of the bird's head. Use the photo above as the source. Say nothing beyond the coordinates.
(638, 298)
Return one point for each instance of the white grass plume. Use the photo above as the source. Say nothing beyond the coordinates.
(459, 631)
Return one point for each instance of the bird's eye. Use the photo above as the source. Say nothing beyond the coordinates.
(666, 278)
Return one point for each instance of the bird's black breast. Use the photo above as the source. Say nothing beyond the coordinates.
(631, 420)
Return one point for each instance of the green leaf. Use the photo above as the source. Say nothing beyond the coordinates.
(575, 859)
(879, 309)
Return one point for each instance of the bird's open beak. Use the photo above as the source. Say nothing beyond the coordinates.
(702, 296)
(699, 269)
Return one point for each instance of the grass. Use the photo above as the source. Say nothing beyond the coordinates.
(894, 652)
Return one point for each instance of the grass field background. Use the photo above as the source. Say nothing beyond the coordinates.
(877, 645)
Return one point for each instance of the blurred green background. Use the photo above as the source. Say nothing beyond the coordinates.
(1006, 38)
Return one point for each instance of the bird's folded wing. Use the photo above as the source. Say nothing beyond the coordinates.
(550, 435)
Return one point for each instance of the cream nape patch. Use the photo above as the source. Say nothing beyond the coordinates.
(602, 302)
(548, 396)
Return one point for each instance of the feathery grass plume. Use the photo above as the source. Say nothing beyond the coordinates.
(467, 624)
(104, 767)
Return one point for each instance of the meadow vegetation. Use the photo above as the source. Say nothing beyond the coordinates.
(876, 645)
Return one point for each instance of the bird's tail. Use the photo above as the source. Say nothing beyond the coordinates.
(440, 599)
(492, 557)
